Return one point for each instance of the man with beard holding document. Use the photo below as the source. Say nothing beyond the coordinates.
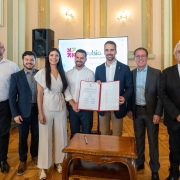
(74, 76)
(113, 70)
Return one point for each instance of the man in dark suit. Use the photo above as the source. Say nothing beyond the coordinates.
(113, 70)
(22, 99)
(170, 97)
(145, 108)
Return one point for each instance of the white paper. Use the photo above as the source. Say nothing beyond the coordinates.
(109, 96)
(89, 95)
(99, 97)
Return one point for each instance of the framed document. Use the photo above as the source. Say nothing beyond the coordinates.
(99, 97)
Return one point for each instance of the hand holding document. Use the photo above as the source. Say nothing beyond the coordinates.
(99, 97)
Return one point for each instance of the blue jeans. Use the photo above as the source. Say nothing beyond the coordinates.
(82, 118)
(29, 124)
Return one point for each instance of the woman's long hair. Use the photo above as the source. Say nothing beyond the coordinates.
(60, 70)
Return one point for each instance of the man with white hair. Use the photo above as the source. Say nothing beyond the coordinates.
(6, 68)
(170, 96)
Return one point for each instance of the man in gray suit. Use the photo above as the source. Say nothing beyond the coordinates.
(170, 97)
(145, 109)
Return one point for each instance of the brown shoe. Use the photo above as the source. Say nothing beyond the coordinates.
(21, 168)
(35, 159)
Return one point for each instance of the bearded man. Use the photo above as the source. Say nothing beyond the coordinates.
(114, 70)
(23, 104)
(74, 76)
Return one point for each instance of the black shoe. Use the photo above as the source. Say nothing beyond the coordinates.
(170, 177)
(155, 176)
(140, 167)
(21, 168)
(4, 167)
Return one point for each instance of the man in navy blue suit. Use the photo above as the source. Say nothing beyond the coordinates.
(113, 70)
(23, 104)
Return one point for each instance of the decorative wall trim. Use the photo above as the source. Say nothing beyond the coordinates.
(103, 18)
(47, 13)
(162, 34)
(41, 13)
(1, 12)
(149, 25)
(167, 34)
(86, 18)
(10, 30)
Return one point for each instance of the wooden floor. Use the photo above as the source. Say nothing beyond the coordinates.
(32, 171)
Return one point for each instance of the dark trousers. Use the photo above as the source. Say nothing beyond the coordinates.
(5, 124)
(29, 124)
(82, 118)
(174, 147)
(141, 123)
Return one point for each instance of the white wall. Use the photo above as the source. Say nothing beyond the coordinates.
(74, 29)
(131, 28)
(63, 28)
(32, 21)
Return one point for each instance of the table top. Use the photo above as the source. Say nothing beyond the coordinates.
(102, 145)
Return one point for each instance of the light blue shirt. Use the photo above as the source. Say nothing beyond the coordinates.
(140, 86)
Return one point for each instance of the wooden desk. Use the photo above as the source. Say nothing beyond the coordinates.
(100, 149)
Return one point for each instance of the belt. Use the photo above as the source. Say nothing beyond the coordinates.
(33, 104)
(141, 106)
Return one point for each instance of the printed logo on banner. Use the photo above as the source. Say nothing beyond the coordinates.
(71, 52)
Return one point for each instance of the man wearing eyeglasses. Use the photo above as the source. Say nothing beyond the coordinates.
(145, 108)
(6, 69)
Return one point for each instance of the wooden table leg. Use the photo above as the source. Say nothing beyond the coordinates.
(131, 164)
(66, 165)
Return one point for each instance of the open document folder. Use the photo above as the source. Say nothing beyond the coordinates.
(99, 97)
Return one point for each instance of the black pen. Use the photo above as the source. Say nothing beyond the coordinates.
(85, 138)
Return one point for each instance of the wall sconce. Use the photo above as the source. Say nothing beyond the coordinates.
(123, 15)
(69, 14)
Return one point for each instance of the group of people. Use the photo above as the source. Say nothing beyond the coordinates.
(38, 100)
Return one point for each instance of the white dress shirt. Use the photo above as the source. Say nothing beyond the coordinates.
(7, 68)
(110, 71)
(179, 69)
(74, 78)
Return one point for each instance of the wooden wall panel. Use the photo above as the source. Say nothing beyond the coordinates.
(175, 25)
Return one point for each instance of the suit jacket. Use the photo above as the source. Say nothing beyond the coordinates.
(122, 74)
(153, 102)
(170, 96)
(20, 96)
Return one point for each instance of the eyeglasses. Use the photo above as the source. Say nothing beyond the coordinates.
(142, 56)
(1, 47)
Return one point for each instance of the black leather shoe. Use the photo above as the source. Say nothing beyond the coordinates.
(170, 177)
(155, 176)
(140, 167)
(4, 167)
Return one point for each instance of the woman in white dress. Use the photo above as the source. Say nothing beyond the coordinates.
(51, 83)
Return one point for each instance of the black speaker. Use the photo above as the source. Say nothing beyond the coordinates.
(42, 41)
